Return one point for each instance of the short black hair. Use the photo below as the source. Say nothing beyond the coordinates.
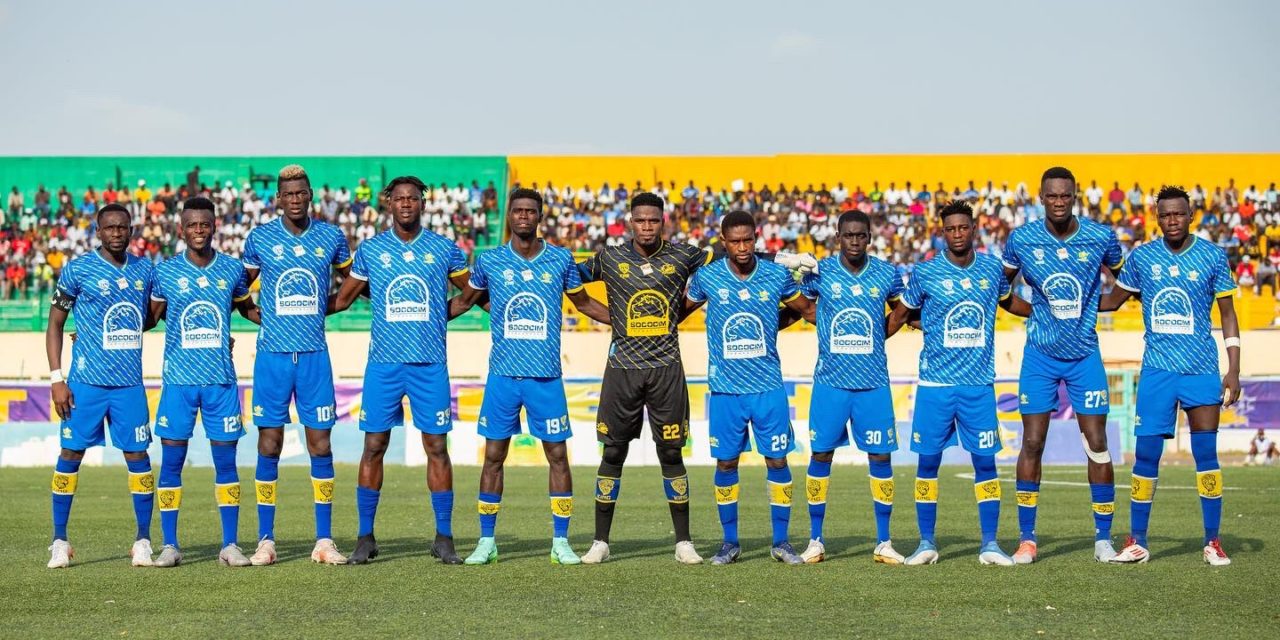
(737, 218)
(521, 193)
(1058, 173)
(399, 180)
(853, 215)
(646, 199)
(958, 207)
(113, 207)
(199, 203)
(1172, 192)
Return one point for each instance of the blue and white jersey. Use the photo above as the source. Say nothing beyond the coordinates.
(1178, 290)
(110, 310)
(409, 293)
(294, 275)
(525, 307)
(958, 314)
(197, 330)
(1065, 284)
(742, 324)
(851, 308)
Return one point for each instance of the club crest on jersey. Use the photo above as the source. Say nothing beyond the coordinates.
(1065, 296)
(724, 294)
(407, 300)
(184, 284)
(648, 314)
(104, 287)
(743, 337)
(851, 332)
(1171, 312)
(837, 291)
(667, 269)
(201, 326)
(1039, 255)
(624, 270)
(525, 318)
(1156, 271)
(964, 327)
(385, 259)
(508, 277)
(122, 327)
(602, 427)
(949, 285)
(297, 293)
(278, 251)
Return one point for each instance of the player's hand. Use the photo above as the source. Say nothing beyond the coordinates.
(73, 336)
(805, 263)
(231, 344)
(63, 400)
(1230, 389)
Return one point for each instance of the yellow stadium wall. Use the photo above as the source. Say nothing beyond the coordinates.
(1149, 170)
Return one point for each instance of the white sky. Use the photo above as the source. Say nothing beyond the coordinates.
(661, 77)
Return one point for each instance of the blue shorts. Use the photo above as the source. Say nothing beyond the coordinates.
(1161, 392)
(1086, 381)
(387, 383)
(305, 377)
(831, 409)
(768, 414)
(542, 399)
(964, 410)
(122, 409)
(219, 406)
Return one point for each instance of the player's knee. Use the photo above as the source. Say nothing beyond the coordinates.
(270, 442)
(826, 456)
(670, 457)
(435, 446)
(1033, 445)
(135, 455)
(72, 455)
(1095, 447)
(775, 463)
(727, 465)
(614, 455)
(874, 457)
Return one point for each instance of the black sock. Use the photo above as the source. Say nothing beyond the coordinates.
(679, 509)
(604, 508)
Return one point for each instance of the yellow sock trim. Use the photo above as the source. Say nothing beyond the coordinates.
(64, 484)
(987, 490)
(227, 495)
(1143, 489)
(780, 494)
(926, 489)
(266, 490)
(727, 495)
(491, 508)
(322, 489)
(169, 498)
(1027, 498)
(142, 482)
(882, 490)
(1104, 508)
(562, 507)
(1209, 483)
(815, 489)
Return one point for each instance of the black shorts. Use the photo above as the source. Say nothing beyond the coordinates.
(625, 396)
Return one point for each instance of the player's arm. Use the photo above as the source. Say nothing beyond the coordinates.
(1016, 305)
(1115, 298)
(469, 297)
(157, 310)
(247, 309)
(1231, 337)
(804, 306)
(251, 274)
(894, 321)
(347, 293)
(589, 306)
(787, 317)
(63, 401)
(690, 305)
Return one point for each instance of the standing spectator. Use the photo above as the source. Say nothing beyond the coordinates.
(1245, 272)
(15, 277)
(141, 198)
(1116, 198)
(1093, 195)
(16, 204)
(42, 202)
(1136, 199)
(193, 181)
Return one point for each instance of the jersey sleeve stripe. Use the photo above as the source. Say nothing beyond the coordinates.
(907, 304)
(358, 276)
(575, 289)
(250, 265)
(473, 285)
(1226, 294)
(711, 254)
(155, 298)
(1006, 295)
(791, 297)
(1127, 287)
(342, 264)
(1007, 265)
(242, 298)
(460, 272)
(1117, 265)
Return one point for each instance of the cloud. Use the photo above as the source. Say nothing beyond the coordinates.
(794, 44)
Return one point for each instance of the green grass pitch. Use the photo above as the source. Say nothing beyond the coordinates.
(642, 592)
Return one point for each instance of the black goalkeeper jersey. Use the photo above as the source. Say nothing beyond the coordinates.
(645, 297)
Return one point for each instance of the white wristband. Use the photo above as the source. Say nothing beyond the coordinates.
(1233, 341)
(56, 376)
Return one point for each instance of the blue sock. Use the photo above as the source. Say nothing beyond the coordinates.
(367, 507)
(66, 476)
(987, 492)
(779, 502)
(264, 479)
(226, 490)
(1146, 470)
(816, 485)
(561, 511)
(727, 503)
(1028, 494)
(1104, 509)
(144, 494)
(442, 506)
(927, 496)
(489, 505)
(172, 457)
(1204, 448)
(322, 487)
(881, 472)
